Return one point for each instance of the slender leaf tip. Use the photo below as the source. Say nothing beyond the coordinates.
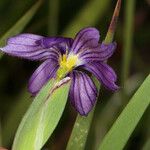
(113, 23)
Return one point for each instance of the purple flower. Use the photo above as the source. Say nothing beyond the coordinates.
(63, 57)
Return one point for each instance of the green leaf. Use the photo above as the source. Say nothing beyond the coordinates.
(43, 116)
(20, 25)
(112, 108)
(127, 43)
(122, 129)
(53, 17)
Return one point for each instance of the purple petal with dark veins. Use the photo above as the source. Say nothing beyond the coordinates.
(51, 41)
(85, 39)
(29, 46)
(24, 39)
(103, 73)
(82, 92)
(42, 74)
(60, 43)
(100, 53)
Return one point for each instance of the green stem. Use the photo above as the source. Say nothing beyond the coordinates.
(80, 132)
(127, 43)
(53, 17)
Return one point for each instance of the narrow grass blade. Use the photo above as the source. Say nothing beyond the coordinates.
(112, 108)
(112, 27)
(53, 17)
(20, 25)
(13, 118)
(43, 116)
(122, 129)
(127, 43)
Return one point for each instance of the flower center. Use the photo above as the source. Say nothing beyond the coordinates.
(66, 64)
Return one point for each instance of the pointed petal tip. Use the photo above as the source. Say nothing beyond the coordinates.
(85, 114)
(35, 47)
(81, 112)
(104, 73)
(114, 88)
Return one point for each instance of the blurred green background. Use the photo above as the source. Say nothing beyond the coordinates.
(66, 17)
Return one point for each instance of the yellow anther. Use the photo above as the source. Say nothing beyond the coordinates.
(71, 62)
(66, 64)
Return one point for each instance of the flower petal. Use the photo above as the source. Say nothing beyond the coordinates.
(60, 43)
(86, 38)
(82, 92)
(100, 53)
(42, 74)
(34, 47)
(103, 73)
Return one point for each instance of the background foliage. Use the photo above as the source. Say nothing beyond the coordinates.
(65, 17)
